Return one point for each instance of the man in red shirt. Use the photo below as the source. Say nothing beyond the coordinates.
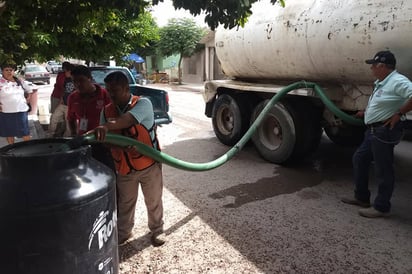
(58, 126)
(57, 93)
(85, 103)
(83, 110)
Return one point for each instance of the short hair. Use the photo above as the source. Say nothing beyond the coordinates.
(69, 67)
(390, 66)
(81, 70)
(9, 64)
(66, 65)
(117, 78)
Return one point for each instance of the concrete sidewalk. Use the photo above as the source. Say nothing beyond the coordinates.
(36, 131)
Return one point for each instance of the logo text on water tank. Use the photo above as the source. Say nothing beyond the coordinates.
(103, 226)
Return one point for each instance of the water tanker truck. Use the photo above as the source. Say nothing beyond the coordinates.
(322, 41)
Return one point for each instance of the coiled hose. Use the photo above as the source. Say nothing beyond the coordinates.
(174, 162)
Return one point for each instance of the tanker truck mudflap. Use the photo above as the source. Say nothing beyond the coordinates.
(209, 96)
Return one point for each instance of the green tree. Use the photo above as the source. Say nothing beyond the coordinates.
(94, 29)
(78, 29)
(179, 36)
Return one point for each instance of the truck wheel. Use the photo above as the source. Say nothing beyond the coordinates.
(280, 137)
(229, 124)
(346, 135)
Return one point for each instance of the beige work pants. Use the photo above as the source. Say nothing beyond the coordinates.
(54, 102)
(59, 127)
(151, 182)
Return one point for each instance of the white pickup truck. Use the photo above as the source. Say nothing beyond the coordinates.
(53, 66)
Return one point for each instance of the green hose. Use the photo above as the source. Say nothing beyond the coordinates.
(159, 156)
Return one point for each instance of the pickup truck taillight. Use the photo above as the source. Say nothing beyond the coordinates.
(167, 101)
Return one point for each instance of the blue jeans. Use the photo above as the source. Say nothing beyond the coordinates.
(377, 146)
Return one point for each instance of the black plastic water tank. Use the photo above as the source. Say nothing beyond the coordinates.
(57, 210)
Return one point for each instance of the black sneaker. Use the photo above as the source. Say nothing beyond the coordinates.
(126, 240)
(158, 238)
(354, 201)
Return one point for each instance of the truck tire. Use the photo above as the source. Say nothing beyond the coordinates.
(280, 138)
(346, 135)
(229, 123)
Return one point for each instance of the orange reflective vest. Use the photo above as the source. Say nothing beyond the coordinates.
(130, 159)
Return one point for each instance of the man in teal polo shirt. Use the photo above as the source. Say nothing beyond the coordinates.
(383, 116)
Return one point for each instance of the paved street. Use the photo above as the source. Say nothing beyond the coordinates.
(250, 216)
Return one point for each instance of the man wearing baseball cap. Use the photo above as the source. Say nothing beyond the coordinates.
(383, 116)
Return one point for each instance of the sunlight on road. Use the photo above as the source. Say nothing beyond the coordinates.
(186, 234)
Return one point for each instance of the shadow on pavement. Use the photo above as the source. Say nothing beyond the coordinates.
(258, 216)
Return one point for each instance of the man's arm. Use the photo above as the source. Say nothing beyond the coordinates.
(406, 107)
(72, 127)
(71, 117)
(397, 116)
(59, 85)
(141, 113)
(125, 121)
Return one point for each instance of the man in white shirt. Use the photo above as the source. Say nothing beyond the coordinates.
(383, 116)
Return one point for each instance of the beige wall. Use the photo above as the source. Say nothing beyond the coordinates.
(204, 65)
(193, 68)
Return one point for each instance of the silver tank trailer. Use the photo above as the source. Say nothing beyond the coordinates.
(318, 40)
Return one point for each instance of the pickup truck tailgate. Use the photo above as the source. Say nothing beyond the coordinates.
(160, 101)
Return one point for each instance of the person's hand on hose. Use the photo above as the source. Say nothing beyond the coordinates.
(360, 114)
(100, 133)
